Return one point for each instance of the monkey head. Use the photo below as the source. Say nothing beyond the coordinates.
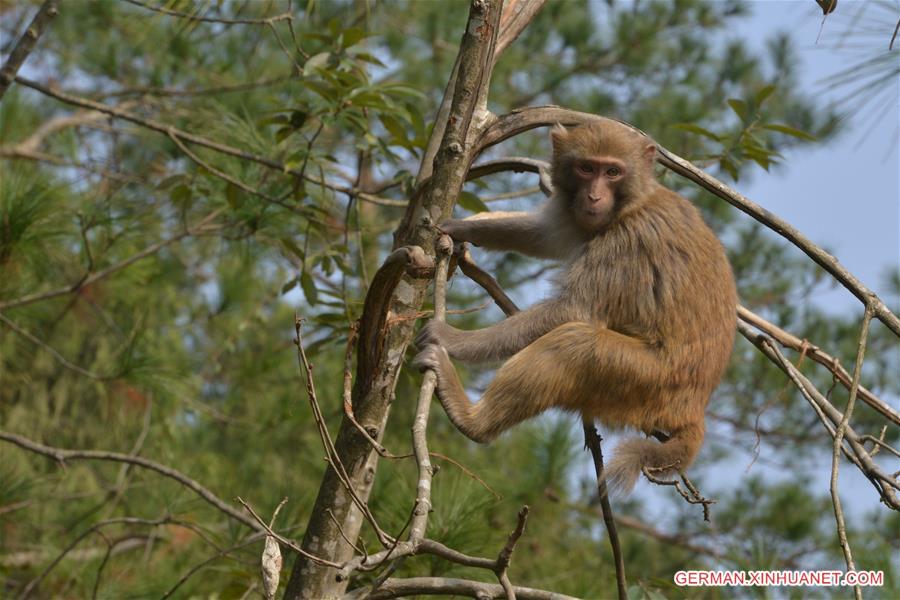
(599, 169)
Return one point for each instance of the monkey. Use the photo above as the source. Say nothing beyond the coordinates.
(640, 328)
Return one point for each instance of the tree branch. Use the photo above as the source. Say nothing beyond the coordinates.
(26, 43)
(592, 442)
(185, 136)
(446, 586)
(91, 278)
(61, 455)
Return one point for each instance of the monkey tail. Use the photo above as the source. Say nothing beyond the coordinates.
(664, 459)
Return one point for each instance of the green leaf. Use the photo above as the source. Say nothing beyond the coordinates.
(729, 167)
(365, 56)
(181, 195)
(298, 118)
(170, 182)
(395, 128)
(291, 284)
(279, 119)
(788, 130)
(471, 202)
(353, 36)
(698, 130)
(763, 94)
(293, 248)
(233, 195)
(309, 288)
(739, 107)
(314, 62)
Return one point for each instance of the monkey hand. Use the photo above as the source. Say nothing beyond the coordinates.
(430, 358)
(441, 334)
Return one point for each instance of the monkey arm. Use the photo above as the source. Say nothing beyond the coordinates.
(499, 341)
(523, 232)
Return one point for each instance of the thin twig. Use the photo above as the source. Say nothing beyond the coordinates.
(331, 452)
(26, 43)
(201, 141)
(252, 539)
(181, 15)
(836, 448)
(592, 442)
(830, 416)
(53, 352)
(61, 455)
(91, 278)
(691, 496)
(505, 555)
(831, 363)
(444, 248)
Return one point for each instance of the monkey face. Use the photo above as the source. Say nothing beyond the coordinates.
(594, 201)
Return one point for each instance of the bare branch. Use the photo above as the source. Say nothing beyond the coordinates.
(332, 456)
(505, 556)
(169, 130)
(91, 278)
(517, 14)
(592, 442)
(444, 247)
(446, 586)
(516, 164)
(485, 280)
(53, 352)
(194, 17)
(830, 416)
(61, 455)
(26, 43)
(836, 449)
(817, 354)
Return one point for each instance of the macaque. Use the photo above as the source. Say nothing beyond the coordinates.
(640, 329)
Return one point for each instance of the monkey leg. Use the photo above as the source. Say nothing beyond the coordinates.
(567, 368)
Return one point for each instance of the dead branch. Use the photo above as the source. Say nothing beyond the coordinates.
(505, 556)
(484, 279)
(516, 164)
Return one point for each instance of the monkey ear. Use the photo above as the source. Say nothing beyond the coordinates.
(649, 154)
(558, 135)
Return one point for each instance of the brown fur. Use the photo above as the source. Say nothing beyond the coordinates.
(640, 330)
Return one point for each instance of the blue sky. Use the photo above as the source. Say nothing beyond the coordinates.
(845, 194)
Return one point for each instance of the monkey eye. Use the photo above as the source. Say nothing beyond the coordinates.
(586, 168)
(613, 172)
